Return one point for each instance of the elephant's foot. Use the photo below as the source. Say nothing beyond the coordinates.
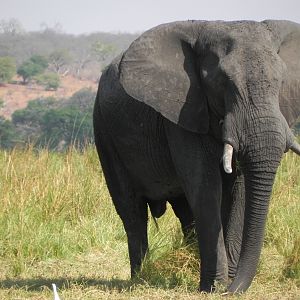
(211, 286)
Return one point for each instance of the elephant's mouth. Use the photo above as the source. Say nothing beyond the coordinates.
(260, 157)
(228, 153)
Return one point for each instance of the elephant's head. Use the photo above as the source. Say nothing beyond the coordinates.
(227, 75)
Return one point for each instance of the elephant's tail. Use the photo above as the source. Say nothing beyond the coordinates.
(157, 208)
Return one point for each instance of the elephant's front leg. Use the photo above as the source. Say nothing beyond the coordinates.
(196, 160)
(135, 224)
(205, 201)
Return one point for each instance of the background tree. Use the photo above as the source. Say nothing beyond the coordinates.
(7, 69)
(40, 60)
(297, 127)
(83, 58)
(102, 51)
(28, 121)
(86, 53)
(50, 81)
(57, 124)
(8, 134)
(32, 67)
(58, 60)
(11, 27)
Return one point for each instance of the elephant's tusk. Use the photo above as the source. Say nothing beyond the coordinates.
(295, 148)
(227, 158)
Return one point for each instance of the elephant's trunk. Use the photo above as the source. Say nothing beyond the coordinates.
(260, 161)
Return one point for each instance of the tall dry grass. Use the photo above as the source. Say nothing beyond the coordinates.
(57, 222)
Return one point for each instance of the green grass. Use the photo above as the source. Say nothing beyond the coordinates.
(58, 225)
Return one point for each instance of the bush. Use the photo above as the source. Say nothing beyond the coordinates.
(7, 69)
(8, 135)
(40, 60)
(297, 127)
(64, 127)
(34, 66)
(50, 81)
(57, 124)
(27, 121)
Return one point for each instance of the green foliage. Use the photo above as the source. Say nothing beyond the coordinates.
(27, 70)
(28, 121)
(57, 124)
(81, 60)
(59, 58)
(64, 127)
(40, 60)
(8, 134)
(32, 115)
(102, 50)
(50, 81)
(34, 66)
(7, 69)
(297, 127)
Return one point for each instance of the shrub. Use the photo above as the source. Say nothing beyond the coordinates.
(8, 135)
(7, 69)
(50, 81)
(34, 66)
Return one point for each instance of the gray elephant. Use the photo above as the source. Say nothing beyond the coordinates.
(182, 97)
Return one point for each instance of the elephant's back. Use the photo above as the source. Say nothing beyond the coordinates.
(138, 134)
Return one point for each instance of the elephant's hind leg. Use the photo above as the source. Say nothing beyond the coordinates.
(131, 209)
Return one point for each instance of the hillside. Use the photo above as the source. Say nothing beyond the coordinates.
(16, 96)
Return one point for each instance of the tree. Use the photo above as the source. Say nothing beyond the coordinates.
(102, 51)
(51, 81)
(7, 69)
(57, 124)
(11, 27)
(40, 60)
(8, 135)
(84, 57)
(27, 70)
(297, 127)
(28, 121)
(32, 67)
(58, 59)
(67, 126)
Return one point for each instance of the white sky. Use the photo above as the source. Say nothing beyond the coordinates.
(85, 16)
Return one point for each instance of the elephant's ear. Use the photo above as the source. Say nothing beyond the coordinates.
(288, 36)
(160, 69)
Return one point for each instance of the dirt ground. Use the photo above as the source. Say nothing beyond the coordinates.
(16, 96)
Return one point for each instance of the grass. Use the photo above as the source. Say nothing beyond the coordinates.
(58, 225)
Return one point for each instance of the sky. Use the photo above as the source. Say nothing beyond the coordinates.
(87, 16)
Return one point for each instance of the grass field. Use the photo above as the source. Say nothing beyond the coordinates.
(58, 225)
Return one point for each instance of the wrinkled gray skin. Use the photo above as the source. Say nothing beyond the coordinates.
(163, 113)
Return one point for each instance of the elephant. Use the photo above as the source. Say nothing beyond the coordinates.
(197, 113)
